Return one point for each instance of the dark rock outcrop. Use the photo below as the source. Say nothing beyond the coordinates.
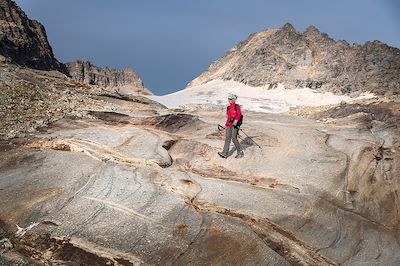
(310, 59)
(86, 72)
(24, 41)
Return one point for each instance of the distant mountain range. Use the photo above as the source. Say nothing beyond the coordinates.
(275, 56)
(310, 59)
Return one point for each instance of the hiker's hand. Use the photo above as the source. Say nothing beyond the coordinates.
(235, 122)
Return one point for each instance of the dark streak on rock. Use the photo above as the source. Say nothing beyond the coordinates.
(40, 247)
(168, 144)
(277, 238)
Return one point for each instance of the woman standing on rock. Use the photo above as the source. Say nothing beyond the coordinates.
(232, 125)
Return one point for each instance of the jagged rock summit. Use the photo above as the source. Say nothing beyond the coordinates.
(124, 81)
(310, 59)
(24, 41)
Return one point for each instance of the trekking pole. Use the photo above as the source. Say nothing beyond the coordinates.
(221, 127)
(250, 138)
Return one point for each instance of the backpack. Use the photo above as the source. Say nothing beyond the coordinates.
(240, 121)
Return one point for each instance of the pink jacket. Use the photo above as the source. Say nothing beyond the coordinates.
(231, 112)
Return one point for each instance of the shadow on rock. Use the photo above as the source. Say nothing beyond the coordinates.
(169, 122)
(173, 122)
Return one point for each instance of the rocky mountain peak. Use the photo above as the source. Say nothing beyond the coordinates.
(288, 27)
(24, 41)
(287, 35)
(312, 29)
(308, 60)
(314, 32)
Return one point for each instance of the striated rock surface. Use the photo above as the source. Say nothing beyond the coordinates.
(310, 59)
(152, 190)
(120, 80)
(372, 181)
(24, 41)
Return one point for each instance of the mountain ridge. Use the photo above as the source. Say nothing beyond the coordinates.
(310, 59)
(119, 79)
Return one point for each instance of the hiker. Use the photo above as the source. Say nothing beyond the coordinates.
(233, 115)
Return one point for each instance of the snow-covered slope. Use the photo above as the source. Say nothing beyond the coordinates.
(258, 99)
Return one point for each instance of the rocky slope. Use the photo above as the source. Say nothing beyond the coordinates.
(24, 41)
(310, 59)
(124, 80)
(31, 99)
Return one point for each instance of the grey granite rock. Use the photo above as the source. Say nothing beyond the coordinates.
(158, 193)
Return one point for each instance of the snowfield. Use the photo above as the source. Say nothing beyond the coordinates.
(258, 99)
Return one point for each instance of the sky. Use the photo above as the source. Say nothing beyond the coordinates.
(169, 43)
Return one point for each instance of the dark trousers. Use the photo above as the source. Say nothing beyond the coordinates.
(231, 133)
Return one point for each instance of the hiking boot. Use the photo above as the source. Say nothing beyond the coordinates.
(240, 154)
(222, 155)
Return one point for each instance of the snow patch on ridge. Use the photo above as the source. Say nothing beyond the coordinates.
(258, 99)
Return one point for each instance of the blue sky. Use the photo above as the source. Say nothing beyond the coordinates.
(170, 42)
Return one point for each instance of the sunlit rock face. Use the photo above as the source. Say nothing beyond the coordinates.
(308, 60)
(124, 81)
